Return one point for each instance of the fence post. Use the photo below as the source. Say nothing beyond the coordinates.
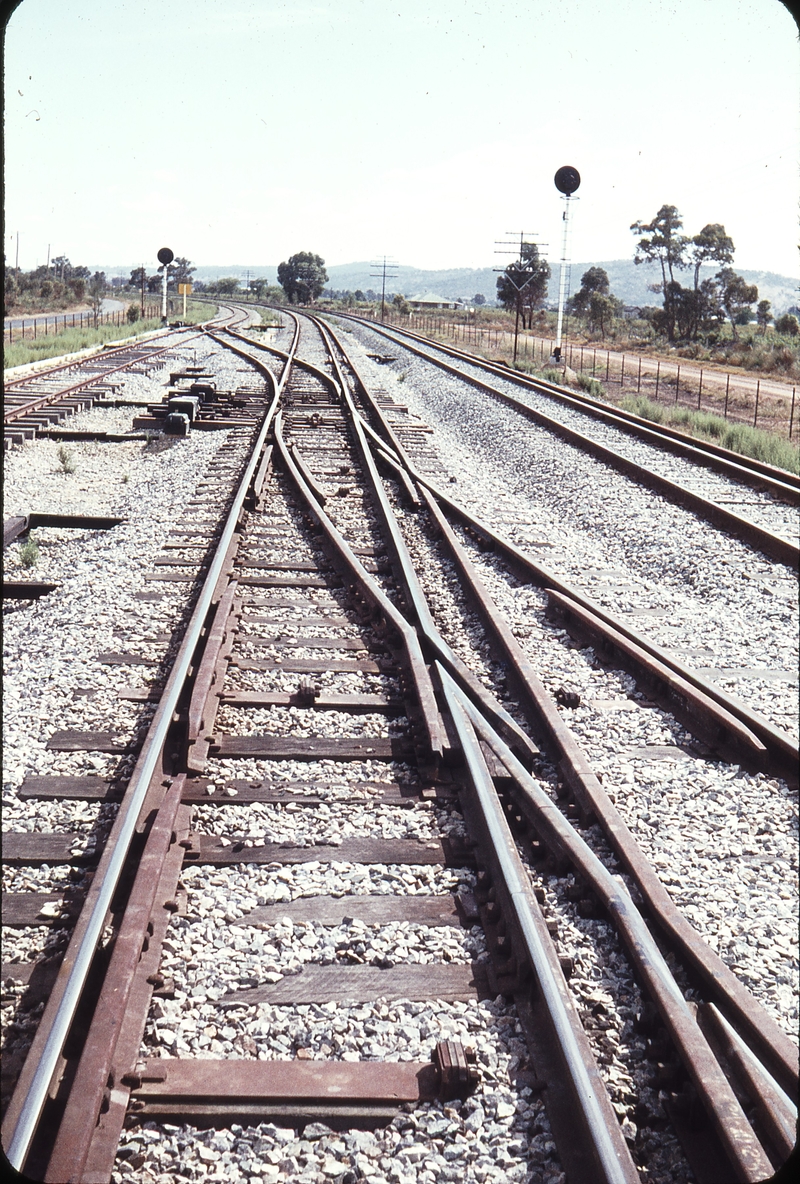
(791, 416)
(594, 361)
(622, 374)
(677, 382)
(608, 362)
(727, 389)
(758, 392)
(658, 375)
(34, 328)
(700, 388)
(639, 381)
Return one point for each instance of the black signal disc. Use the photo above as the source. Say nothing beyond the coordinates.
(567, 179)
(166, 256)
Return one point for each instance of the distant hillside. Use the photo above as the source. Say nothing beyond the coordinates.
(628, 282)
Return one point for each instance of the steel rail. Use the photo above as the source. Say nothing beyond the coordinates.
(415, 598)
(593, 1114)
(783, 748)
(782, 549)
(436, 736)
(28, 1102)
(783, 483)
(773, 1044)
(746, 1154)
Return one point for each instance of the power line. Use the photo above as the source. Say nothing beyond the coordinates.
(383, 276)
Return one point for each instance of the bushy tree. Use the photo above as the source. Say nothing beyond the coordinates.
(523, 285)
(479, 299)
(359, 296)
(401, 304)
(302, 277)
(788, 324)
(138, 277)
(763, 314)
(225, 286)
(736, 296)
(180, 271)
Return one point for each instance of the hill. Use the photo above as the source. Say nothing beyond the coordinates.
(628, 282)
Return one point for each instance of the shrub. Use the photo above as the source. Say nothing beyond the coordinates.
(591, 386)
(29, 553)
(66, 458)
(132, 314)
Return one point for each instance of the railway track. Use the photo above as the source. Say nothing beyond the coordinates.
(331, 796)
(43, 397)
(751, 501)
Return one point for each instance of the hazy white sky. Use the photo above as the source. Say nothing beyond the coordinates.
(241, 131)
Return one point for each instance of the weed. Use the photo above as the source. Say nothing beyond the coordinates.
(737, 437)
(66, 458)
(29, 553)
(553, 376)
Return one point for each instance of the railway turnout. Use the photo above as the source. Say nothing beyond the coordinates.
(321, 753)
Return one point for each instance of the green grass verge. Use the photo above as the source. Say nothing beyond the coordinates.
(72, 340)
(738, 437)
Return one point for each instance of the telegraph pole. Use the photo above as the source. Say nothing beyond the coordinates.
(516, 275)
(383, 277)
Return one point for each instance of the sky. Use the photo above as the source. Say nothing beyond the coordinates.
(242, 131)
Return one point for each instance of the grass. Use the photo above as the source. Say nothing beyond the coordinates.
(72, 340)
(29, 553)
(738, 437)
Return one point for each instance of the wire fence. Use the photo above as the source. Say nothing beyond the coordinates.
(52, 324)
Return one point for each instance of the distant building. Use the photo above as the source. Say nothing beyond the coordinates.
(431, 300)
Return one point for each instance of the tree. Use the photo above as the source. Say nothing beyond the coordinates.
(97, 287)
(735, 295)
(788, 324)
(359, 296)
(401, 304)
(711, 245)
(302, 277)
(226, 286)
(763, 315)
(523, 285)
(595, 280)
(667, 247)
(138, 277)
(180, 271)
(602, 310)
(479, 299)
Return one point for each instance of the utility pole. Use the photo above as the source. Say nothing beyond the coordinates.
(383, 276)
(143, 271)
(48, 259)
(17, 263)
(516, 274)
